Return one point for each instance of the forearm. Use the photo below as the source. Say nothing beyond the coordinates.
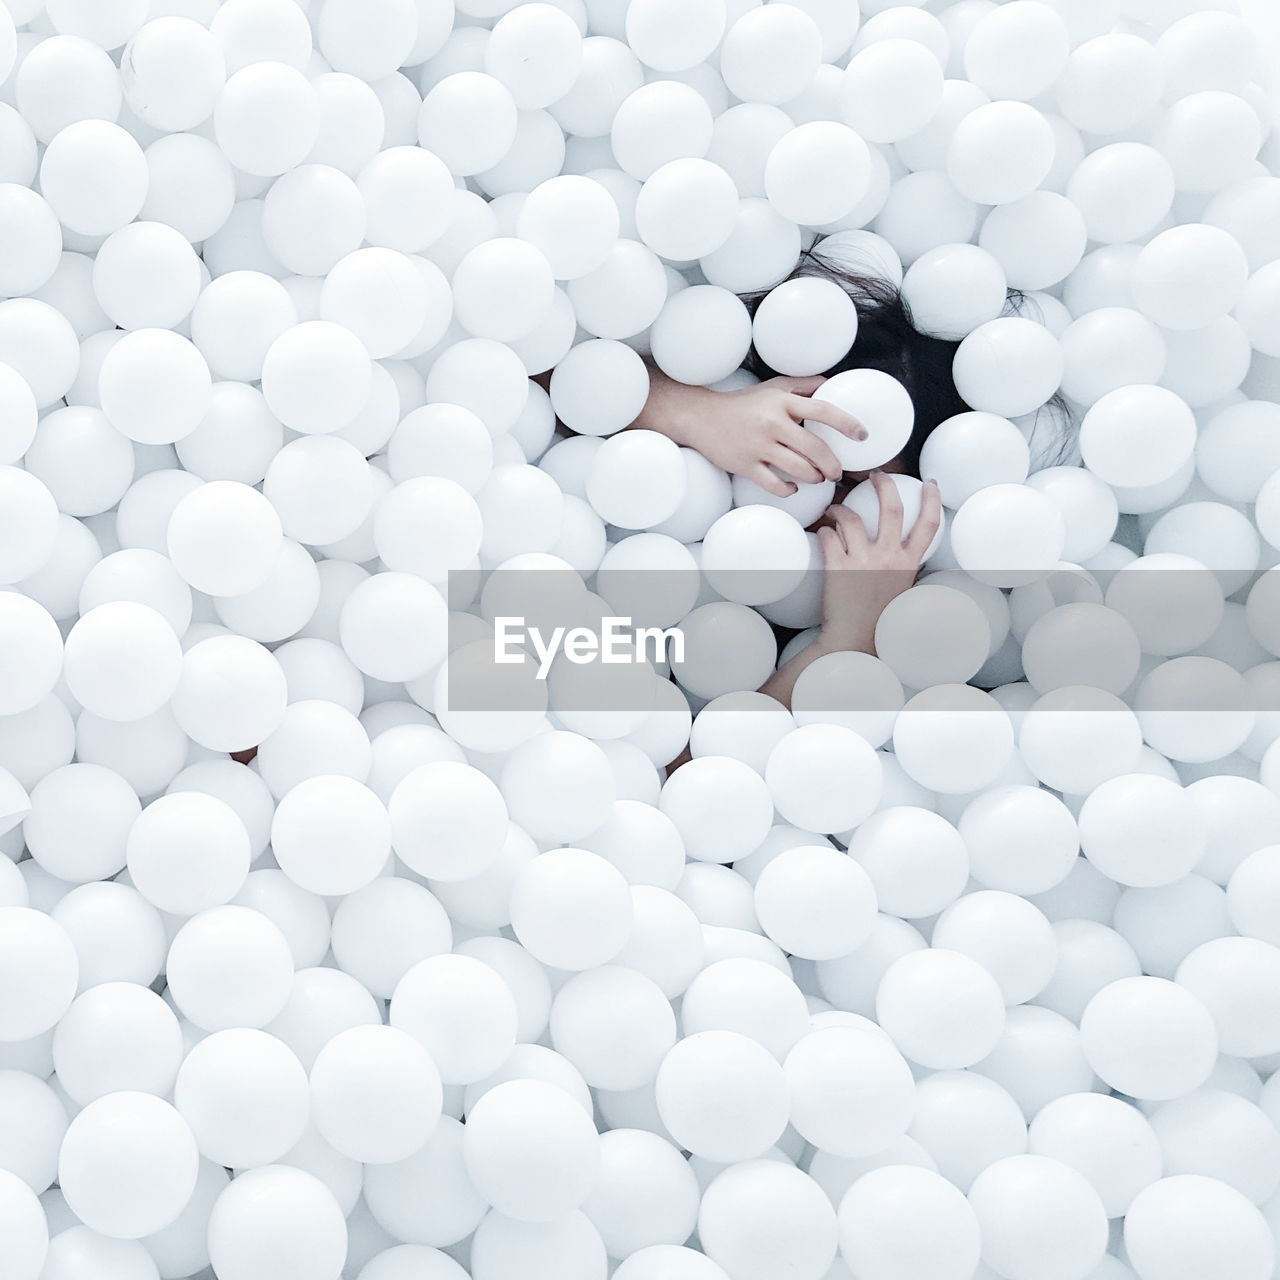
(674, 409)
(781, 685)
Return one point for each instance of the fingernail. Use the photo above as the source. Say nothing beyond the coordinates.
(931, 481)
(862, 435)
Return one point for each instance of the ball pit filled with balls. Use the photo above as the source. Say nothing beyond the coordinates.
(919, 923)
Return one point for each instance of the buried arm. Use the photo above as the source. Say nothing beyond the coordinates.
(756, 432)
(861, 576)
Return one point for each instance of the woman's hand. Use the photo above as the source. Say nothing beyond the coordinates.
(863, 574)
(756, 432)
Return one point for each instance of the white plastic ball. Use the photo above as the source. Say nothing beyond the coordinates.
(1122, 191)
(483, 376)
(26, 1228)
(558, 786)
(155, 386)
(176, 69)
(610, 73)
(1017, 52)
(244, 1094)
(1232, 977)
(375, 1094)
(1110, 83)
(701, 335)
(1211, 139)
(381, 296)
(267, 118)
(447, 821)
(953, 289)
(94, 176)
(600, 387)
(461, 1011)
(770, 56)
(223, 538)
(573, 221)
(1187, 1220)
(721, 807)
(122, 661)
(469, 121)
(904, 627)
(624, 295)
(1106, 1139)
(941, 1008)
(1009, 366)
(38, 970)
(815, 902)
(1000, 152)
(408, 198)
(664, 43)
(636, 480)
(571, 909)
(316, 377)
(890, 90)
(883, 407)
(804, 326)
(32, 648)
(127, 1165)
(1220, 1134)
(237, 318)
(1031, 1209)
(311, 218)
(1008, 535)
(331, 835)
(835, 1117)
(536, 53)
(188, 852)
(33, 236)
(953, 738)
(882, 1217)
(428, 526)
(686, 209)
(1188, 276)
(858, 691)
(764, 1214)
(277, 1217)
(1038, 240)
(502, 289)
(659, 122)
(531, 1150)
(367, 41)
(817, 173)
(1149, 1038)
(722, 1096)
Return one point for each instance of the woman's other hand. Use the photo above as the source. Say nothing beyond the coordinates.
(863, 574)
(756, 432)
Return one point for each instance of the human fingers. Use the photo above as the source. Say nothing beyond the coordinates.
(799, 386)
(817, 450)
(890, 529)
(849, 522)
(770, 481)
(828, 414)
(833, 549)
(928, 522)
(793, 464)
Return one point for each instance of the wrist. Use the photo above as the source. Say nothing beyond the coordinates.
(846, 639)
(687, 424)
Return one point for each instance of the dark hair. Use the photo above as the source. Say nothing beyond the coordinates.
(888, 340)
